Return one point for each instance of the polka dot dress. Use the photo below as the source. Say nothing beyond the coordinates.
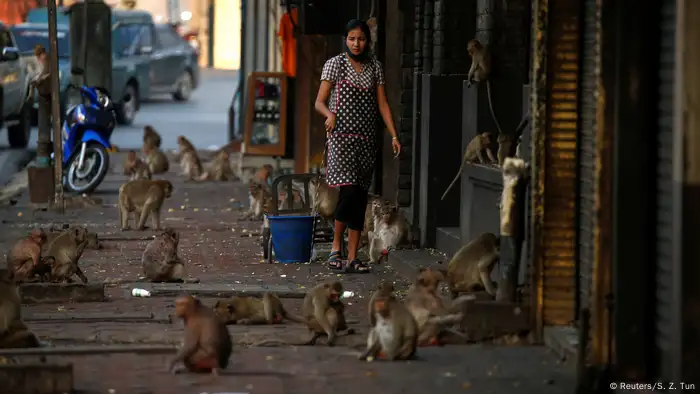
(352, 144)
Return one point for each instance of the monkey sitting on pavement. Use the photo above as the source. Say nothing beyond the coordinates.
(13, 332)
(207, 345)
(160, 260)
(135, 167)
(324, 312)
(219, 169)
(474, 154)
(151, 137)
(144, 197)
(390, 230)
(24, 259)
(470, 268)
(428, 309)
(254, 310)
(183, 144)
(190, 164)
(65, 251)
(394, 333)
(156, 160)
(260, 200)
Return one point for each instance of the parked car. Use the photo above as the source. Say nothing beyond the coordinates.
(130, 61)
(27, 36)
(14, 114)
(173, 64)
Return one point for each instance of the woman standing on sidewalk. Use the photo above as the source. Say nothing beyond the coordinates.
(354, 81)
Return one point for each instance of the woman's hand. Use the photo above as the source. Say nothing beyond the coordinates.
(330, 123)
(396, 146)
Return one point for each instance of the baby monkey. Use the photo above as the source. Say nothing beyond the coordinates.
(207, 345)
(394, 333)
(474, 153)
(260, 200)
(135, 167)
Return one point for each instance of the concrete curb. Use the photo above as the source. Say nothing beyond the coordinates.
(13, 173)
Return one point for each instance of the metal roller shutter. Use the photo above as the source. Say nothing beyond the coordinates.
(664, 187)
(587, 152)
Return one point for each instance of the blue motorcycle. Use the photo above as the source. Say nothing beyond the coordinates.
(86, 132)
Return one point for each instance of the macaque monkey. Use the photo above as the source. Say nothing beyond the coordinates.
(183, 144)
(474, 154)
(93, 241)
(324, 312)
(135, 167)
(207, 345)
(254, 310)
(53, 232)
(264, 174)
(507, 147)
(65, 251)
(297, 200)
(160, 260)
(259, 198)
(373, 204)
(156, 160)
(390, 230)
(143, 197)
(219, 169)
(480, 71)
(394, 333)
(13, 332)
(384, 289)
(470, 268)
(324, 198)
(24, 259)
(191, 165)
(151, 137)
(427, 307)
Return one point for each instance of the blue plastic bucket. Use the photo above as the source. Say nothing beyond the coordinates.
(292, 238)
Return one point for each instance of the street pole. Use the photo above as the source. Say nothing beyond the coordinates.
(55, 109)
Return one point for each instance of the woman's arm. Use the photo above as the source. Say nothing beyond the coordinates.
(323, 93)
(384, 110)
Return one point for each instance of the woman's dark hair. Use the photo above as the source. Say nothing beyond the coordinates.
(364, 28)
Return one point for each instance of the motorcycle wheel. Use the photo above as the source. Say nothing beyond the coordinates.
(96, 166)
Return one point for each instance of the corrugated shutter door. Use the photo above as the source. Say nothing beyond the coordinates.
(664, 185)
(587, 154)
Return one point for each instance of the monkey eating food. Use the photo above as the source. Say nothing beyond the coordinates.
(143, 197)
(207, 345)
(474, 154)
(13, 332)
(470, 268)
(219, 169)
(394, 333)
(65, 251)
(254, 310)
(160, 260)
(24, 259)
(135, 167)
(390, 230)
(324, 312)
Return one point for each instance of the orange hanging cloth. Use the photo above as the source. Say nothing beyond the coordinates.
(289, 42)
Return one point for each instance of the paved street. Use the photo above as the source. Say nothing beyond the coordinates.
(203, 119)
(222, 252)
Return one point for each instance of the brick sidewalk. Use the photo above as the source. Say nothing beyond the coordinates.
(218, 248)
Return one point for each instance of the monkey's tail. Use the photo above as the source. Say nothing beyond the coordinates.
(493, 113)
(203, 176)
(292, 317)
(459, 173)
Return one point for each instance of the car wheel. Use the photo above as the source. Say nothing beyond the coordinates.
(184, 87)
(126, 110)
(18, 134)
